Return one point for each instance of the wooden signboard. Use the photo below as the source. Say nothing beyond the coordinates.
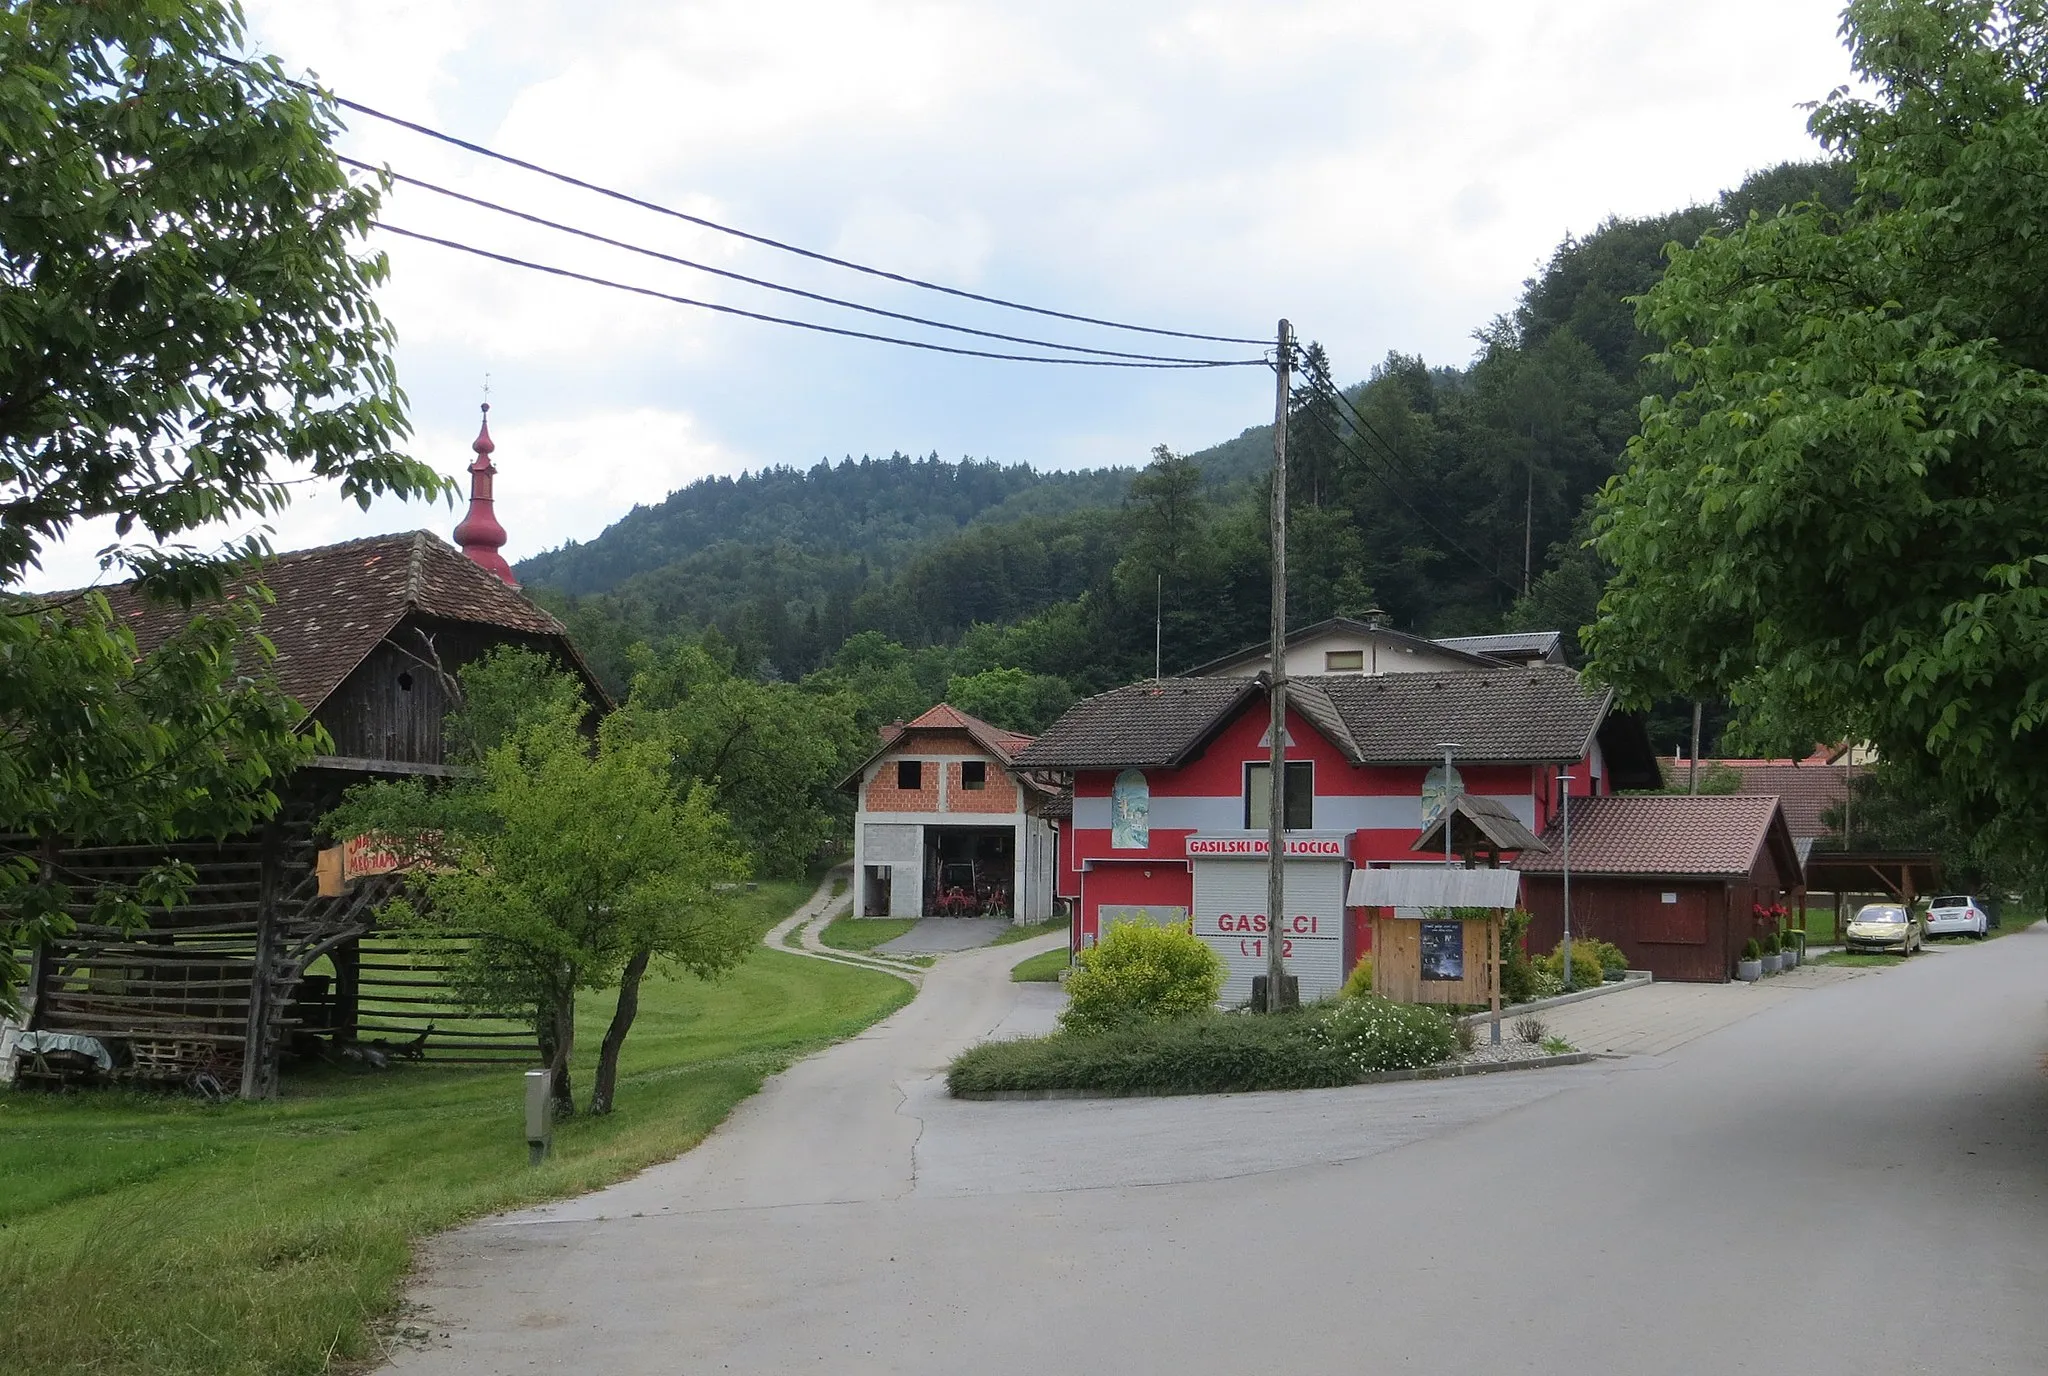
(1436, 932)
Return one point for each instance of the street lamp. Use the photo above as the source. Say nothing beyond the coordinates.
(1565, 784)
(1444, 811)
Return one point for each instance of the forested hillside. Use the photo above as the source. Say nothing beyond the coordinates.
(1453, 498)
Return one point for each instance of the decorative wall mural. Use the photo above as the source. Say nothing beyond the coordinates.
(1130, 812)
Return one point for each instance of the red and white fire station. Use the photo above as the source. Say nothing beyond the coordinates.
(1171, 782)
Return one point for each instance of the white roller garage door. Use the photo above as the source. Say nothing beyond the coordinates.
(1230, 914)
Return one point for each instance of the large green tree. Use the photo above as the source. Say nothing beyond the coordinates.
(186, 327)
(1839, 518)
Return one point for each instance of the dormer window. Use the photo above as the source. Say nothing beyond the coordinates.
(910, 775)
(974, 774)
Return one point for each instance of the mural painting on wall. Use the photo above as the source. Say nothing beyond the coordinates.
(1130, 812)
(1436, 789)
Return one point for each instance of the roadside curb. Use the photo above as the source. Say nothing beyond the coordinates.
(1636, 979)
(1377, 1077)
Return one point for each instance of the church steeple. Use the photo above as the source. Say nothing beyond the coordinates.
(480, 535)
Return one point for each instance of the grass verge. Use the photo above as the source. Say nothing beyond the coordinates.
(1031, 929)
(863, 933)
(145, 1234)
(1858, 960)
(1217, 1053)
(1044, 968)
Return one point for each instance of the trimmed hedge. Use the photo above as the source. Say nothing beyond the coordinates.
(1217, 1053)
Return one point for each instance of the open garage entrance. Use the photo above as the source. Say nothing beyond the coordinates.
(970, 871)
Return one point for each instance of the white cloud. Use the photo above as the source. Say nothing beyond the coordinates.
(1384, 173)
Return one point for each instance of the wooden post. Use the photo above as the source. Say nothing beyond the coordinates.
(1276, 756)
(256, 1049)
(1493, 958)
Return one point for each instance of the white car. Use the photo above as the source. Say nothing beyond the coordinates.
(1957, 915)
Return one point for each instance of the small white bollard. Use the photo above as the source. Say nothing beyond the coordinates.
(540, 1114)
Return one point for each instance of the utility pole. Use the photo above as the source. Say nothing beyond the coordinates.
(1693, 766)
(1276, 757)
(1565, 782)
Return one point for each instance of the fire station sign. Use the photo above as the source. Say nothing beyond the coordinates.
(1230, 911)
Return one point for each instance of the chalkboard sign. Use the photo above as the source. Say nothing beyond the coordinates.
(1443, 951)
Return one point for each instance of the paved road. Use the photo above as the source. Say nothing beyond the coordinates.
(1854, 1179)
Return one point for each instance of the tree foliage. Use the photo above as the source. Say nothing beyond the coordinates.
(184, 321)
(1837, 517)
(564, 864)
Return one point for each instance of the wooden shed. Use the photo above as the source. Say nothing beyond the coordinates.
(1676, 881)
(368, 634)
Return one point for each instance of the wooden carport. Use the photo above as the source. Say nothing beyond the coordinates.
(1904, 874)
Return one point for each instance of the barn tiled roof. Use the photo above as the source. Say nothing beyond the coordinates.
(1806, 791)
(1671, 835)
(1514, 645)
(1495, 716)
(1003, 744)
(335, 603)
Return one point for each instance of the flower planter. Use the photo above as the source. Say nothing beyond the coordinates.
(1750, 970)
(1773, 962)
(1789, 958)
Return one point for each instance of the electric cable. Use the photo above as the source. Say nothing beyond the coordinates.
(574, 276)
(679, 261)
(1367, 462)
(569, 180)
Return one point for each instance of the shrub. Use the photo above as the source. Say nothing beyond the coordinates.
(1612, 960)
(1531, 1030)
(1586, 970)
(1467, 1034)
(1544, 983)
(1770, 943)
(1373, 1033)
(1359, 984)
(1556, 1046)
(1216, 1053)
(1517, 971)
(1752, 951)
(1141, 973)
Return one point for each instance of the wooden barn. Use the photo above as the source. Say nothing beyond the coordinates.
(366, 634)
(1674, 880)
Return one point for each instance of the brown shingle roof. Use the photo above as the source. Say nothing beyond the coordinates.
(1495, 716)
(1142, 726)
(335, 603)
(1805, 791)
(1675, 835)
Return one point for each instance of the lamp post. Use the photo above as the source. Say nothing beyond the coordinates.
(1565, 783)
(1449, 748)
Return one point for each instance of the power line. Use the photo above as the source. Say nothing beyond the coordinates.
(575, 276)
(698, 220)
(679, 261)
(1402, 497)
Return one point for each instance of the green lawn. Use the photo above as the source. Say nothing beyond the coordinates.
(1859, 960)
(143, 1234)
(864, 933)
(1045, 967)
(1031, 929)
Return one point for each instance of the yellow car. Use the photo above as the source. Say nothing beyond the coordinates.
(1887, 927)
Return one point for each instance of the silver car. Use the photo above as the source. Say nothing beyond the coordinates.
(1958, 915)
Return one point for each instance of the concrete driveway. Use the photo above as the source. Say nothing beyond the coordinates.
(1852, 1179)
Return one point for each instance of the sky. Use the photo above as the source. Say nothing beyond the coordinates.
(1384, 174)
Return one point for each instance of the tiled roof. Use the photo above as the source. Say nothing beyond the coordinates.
(1806, 791)
(1675, 835)
(1495, 716)
(1487, 818)
(1143, 726)
(946, 717)
(1511, 645)
(1059, 807)
(335, 603)
(1499, 716)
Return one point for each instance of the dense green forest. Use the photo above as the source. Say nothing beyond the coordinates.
(1451, 498)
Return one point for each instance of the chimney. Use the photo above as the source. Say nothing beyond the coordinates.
(480, 535)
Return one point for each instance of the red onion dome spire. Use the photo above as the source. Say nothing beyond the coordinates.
(480, 535)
